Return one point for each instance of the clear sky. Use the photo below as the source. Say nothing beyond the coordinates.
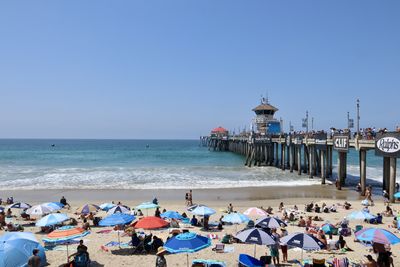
(176, 69)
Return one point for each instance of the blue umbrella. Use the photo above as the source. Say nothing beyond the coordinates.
(147, 205)
(235, 218)
(52, 219)
(61, 205)
(171, 215)
(360, 215)
(118, 209)
(117, 219)
(397, 195)
(377, 235)
(203, 211)
(16, 248)
(187, 243)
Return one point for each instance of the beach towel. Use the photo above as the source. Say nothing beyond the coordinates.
(229, 249)
(114, 244)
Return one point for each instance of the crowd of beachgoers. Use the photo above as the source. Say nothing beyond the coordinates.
(252, 233)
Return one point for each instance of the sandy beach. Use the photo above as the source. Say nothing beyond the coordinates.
(242, 198)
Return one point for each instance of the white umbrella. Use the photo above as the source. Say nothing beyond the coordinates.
(303, 241)
(255, 236)
(18, 205)
(41, 209)
(118, 209)
(255, 212)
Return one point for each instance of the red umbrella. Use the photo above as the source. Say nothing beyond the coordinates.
(151, 222)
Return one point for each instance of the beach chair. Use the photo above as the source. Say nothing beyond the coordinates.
(318, 263)
(219, 248)
(248, 261)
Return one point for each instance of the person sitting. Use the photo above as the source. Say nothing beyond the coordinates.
(388, 212)
(309, 207)
(376, 220)
(347, 205)
(194, 221)
(269, 210)
(230, 208)
(157, 242)
(341, 244)
(333, 208)
(317, 208)
(395, 223)
(302, 222)
(81, 256)
(321, 237)
(295, 208)
(309, 221)
(85, 225)
(25, 215)
(139, 213)
(281, 206)
(157, 213)
(9, 213)
(14, 228)
(63, 201)
(324, 208)
(385, 197)
(174, 223)
(10, 200)
(90, 216)
(220, 226)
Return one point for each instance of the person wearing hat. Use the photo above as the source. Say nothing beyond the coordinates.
(161, 261)
(371, 262)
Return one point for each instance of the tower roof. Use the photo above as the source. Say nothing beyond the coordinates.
(265, 106)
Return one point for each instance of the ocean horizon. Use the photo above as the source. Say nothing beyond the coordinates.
(145, 164)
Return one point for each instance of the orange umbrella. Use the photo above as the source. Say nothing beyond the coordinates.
(151, 222)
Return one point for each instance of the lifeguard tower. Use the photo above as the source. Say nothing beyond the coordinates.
(264, 121)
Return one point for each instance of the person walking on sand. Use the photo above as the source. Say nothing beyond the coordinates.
(34, 260)
(190, 198)
(368, 195)
(160, 260)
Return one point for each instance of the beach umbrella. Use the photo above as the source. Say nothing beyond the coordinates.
(235, 218)
(107, 206)
(41, 209)
(61, 205)
(52, 219)
(303, 241)
(87, 208)
(328, 228)
(146, 206)
(203, 211)
(192, 207)
(360, 215)
(270, 222)
(377, 235)
(171, 215)
(53, 205)
(17, 247)
(255, 212)
(65, 235)
(117, 219)
(18, 205)
(187, 243)
(118, 209)
(1, 209)
(151, 222)
(255, 236)
(397, 195)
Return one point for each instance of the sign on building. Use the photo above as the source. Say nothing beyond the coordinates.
(387, 144)
(320, 141)
(341, 142)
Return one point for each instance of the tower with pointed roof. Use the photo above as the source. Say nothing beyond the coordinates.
(264, 121)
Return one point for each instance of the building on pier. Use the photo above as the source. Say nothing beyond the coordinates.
(264, 122)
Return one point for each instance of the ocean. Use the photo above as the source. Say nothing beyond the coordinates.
(144, 164)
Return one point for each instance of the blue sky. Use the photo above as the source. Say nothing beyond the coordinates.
(176, 69)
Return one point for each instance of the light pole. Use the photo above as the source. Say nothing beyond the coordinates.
(307, 121)
(358, 117)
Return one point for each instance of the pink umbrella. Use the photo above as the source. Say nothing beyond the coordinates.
(255, 212)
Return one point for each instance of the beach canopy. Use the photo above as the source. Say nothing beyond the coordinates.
(303, 241)
(202, 210)
(151, 222)
(42, 209)
(360, 215)
(255, 236)
(146, 206)
(118, 209)
(18, 205)
(117, 219)
(107, 206)
(87, 208)
(248, 261)
(187, 243)
(255, 212)
(235, 218)
(171, 215)
(17, 247)
(377, 235)
(397, 195)
(52, 219)
(270, 222)
(65, 234)
(328, 228)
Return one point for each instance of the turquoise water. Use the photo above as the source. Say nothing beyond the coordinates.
(28, 164)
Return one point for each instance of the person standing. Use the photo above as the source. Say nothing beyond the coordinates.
(284, 248)
(274, 249)
(160, 260)
(190, 198)
(34, 260)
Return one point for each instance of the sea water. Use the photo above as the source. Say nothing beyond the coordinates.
(135, 164)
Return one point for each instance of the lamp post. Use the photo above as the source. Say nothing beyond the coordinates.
(358, 117)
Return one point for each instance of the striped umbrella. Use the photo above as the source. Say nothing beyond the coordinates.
(377, 235)
(303, 241)
(18, 205)
(255, 236)
(118, 209)
(255, 212)
(270, 222)
(64, 234)
(42, 209)
(87, 208)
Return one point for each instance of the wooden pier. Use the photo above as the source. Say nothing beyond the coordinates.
(308, 154)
